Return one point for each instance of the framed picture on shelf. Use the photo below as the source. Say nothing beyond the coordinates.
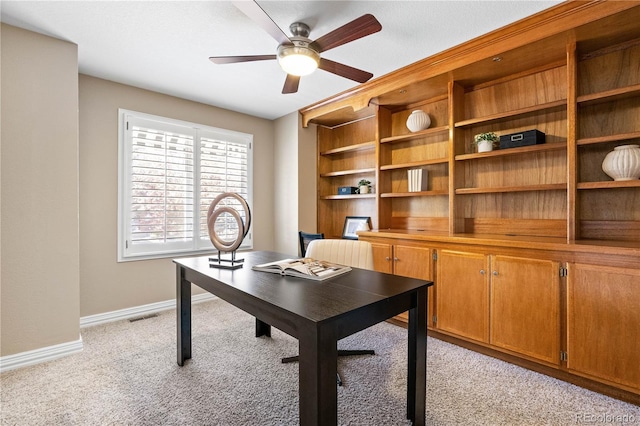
(353, 224)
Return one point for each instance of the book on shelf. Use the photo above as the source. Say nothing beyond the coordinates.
(307, 268)
(417, 180)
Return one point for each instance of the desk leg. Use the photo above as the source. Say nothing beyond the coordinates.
(318, 366)
(262, 328)
(417, 360)
(183, 315)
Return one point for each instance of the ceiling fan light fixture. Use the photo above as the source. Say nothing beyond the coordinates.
(298, 59)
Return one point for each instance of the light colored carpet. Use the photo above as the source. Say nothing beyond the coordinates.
(127, 375)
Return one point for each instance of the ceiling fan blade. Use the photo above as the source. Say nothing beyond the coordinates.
(291, 84)
(344, 70)
(358, 28)
(234, 59)
(257, 14)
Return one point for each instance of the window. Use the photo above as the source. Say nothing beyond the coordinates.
(169, 172)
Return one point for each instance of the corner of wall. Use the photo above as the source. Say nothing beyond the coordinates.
(40, 229)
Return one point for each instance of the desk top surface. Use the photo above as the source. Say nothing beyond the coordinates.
(313, 300)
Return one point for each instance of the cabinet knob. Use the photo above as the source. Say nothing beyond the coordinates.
(395, 259)
(387, 258)
(481, 271)
(495, 272)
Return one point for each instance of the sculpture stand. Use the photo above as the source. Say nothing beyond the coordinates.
(218, 241)
(221, 263)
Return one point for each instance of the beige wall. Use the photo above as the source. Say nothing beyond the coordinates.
(107, 285)
(285, 195)
(295, 182)
(39, 180)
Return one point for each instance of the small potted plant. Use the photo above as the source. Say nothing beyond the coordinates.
(364, 185)
(486, 141)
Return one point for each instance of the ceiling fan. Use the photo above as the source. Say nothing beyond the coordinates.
(298, 55)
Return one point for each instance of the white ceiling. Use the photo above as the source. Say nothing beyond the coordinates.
(164, 46)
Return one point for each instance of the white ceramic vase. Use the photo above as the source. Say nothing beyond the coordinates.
(364, 189)
(623, 163)
(418, 120)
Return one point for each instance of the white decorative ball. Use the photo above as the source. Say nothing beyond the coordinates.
(418, 120)
(623, 163)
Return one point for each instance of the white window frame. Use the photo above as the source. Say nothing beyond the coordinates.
(200, 244)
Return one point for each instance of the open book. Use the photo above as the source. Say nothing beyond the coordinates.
(308, 268)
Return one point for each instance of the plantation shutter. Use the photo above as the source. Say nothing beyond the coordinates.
(170, 174)
(224, 167)
(161, 187)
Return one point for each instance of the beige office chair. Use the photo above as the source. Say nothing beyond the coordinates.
(354, 253)
(357, 254)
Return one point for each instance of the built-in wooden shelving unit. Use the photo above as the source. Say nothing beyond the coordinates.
(571, 72)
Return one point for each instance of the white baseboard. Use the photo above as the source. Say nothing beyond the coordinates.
(49, 353)
(37, 356)
(138, 311)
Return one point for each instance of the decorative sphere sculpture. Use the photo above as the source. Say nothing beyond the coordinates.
(243, 227)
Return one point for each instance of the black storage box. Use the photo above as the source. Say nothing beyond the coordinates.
(529, 137)
(346, 190)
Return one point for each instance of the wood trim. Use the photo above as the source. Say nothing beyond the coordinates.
(522, 188)
(618, 137)
(572, 132)
(510, 114)
(541, 228)
(421, 223)
(623, 230)
(590, 249)
(456, 175)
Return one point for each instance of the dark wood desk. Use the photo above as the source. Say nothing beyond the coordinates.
(318, 314)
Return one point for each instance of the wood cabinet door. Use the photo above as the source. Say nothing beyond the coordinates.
(603, 323)
(525, 307)
(462, 294)
(415, 262)
(412, 262)
(382, 256)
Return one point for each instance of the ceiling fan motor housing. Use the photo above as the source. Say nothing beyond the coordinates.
(300, 29)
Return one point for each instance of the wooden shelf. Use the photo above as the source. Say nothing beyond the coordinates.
(520, 188)
(610, 184)
(413, 194)
(414, 164)
(609, 138)
(350, 148)
(348, 172)
(416, 135)
(347, 197)
(514, 113)
(609, 95)
(513, 151)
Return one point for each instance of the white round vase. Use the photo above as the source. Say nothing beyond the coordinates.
(623, 163)
(418, 120)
